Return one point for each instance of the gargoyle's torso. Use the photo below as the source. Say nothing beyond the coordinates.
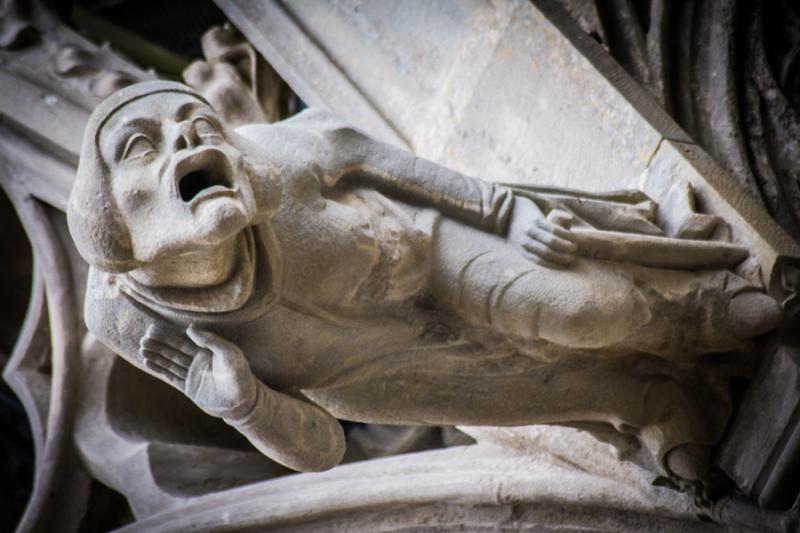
(355, 267)
(358, 268)
(353, 250)
(353, 263)
(354, 271)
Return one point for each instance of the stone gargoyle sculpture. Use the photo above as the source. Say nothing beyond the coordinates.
(287, 275)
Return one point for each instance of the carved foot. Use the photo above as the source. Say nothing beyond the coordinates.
(751, 314)
(689, 461)
(689, 471)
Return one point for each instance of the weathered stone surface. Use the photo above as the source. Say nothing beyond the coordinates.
(657, 167)
(771, 247)
(525, 98)
(448, 102)
(235, 79)
(514, 274)
(477, 488)
(44, 102)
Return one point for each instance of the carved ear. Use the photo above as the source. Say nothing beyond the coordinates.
(95, 223)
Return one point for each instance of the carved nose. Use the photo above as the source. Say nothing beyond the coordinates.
(182, 142)
(184, 138)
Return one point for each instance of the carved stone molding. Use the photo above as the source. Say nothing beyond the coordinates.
(727, 72)
(42, 113)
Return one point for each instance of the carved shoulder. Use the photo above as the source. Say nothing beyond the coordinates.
(113, 318)
(315, 122)
(314, 140)
(100, 306)
(320, 121)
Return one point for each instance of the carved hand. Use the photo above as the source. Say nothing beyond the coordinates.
(208, 369)
(546, 241)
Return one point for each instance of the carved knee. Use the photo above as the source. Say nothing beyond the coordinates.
(594, 321)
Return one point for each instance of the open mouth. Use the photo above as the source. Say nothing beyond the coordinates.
(202, 172)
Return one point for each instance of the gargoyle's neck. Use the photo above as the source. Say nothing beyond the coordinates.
(204, 267)
(229, 294)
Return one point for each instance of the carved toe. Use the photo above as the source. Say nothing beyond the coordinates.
(753, 313)
(689, 462)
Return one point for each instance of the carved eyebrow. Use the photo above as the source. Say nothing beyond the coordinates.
(129, 127)
(185, 110)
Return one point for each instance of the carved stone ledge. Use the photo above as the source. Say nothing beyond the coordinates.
(478, 488)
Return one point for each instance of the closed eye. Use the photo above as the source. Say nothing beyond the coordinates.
(138, 145)
(206, 129)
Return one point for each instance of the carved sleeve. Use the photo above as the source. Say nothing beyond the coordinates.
(292, 432)
(406, 177)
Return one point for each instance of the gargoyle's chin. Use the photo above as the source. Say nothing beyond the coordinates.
(221, 221)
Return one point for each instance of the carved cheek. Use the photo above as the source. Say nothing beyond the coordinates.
(137, 198)
(134, 194)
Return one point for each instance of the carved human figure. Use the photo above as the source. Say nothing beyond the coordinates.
(288, 275)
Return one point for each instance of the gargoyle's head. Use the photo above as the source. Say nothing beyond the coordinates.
(159, 175)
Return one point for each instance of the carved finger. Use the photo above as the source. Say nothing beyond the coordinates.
(555, 229)
(553, 241)
(215, 343)
(543, 251)
(176, 341)
(562, 232)
(539, 261)
(179, 358)
(164, 373)
(162, 361)
(563, 245)
(561, 218)
(197, 372)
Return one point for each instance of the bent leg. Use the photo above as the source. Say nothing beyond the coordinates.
(594, 304)
(472, 386)
(487, 282)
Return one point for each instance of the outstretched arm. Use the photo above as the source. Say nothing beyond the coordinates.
(214, 374)
(316, 142)
(400, 174)
(485, 205)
